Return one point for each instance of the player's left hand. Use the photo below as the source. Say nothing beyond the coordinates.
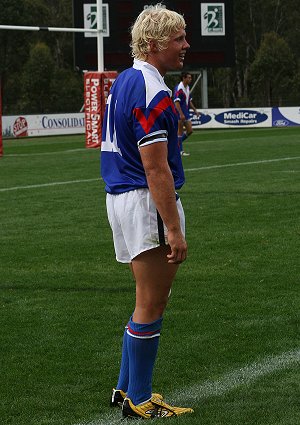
(178, 247)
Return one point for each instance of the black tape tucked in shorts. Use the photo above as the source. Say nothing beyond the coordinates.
(161, 232)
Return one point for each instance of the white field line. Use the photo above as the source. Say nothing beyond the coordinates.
(287, 171)
(243, 376)
(237, 164)
(47, 153)
(35, 186)
(239, 377)
(211, 167)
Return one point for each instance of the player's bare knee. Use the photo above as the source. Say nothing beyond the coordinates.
(155, 308)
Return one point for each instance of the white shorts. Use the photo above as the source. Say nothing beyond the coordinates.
(136, 224)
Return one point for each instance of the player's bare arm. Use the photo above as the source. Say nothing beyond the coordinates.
(181, 114)
(161, 186)
(194, 108)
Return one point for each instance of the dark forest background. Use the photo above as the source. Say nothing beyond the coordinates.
(38, 75)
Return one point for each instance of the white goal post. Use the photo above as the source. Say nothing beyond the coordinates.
(98, 31)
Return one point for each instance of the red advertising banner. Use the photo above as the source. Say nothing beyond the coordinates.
(92, 109)
(96, 91)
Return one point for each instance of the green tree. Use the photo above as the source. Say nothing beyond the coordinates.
(252, 19)
(272, 70)
(227, 87)
(293, 91)
(66, 91)
(37, 79)
(15, 46)
(60, 15)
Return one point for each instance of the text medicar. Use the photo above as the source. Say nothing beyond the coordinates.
(239, 115)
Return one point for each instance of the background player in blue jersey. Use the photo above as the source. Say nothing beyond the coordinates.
(183, 104)
(141, 167)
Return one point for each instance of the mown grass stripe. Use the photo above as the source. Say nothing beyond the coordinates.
(244, 376)
(264, 161)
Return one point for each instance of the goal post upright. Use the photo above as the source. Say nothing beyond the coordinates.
(104, 79)
(96, 89)
(100, 55)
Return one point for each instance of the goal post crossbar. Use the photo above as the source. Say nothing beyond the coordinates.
(99, 32)
(27, 28)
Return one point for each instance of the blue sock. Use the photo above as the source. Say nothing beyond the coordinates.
(142, 345)
(124, 370)
(180, 143)
(184, 136)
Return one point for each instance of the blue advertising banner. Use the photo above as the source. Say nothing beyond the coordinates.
(284, 117)
(234, 117)
(241, 117)
(45, 125)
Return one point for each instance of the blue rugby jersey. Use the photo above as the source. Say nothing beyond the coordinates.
(139, 111)
(182, 94)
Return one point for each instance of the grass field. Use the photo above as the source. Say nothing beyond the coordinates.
(230, 346)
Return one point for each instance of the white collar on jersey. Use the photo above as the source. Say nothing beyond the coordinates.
(138, 64)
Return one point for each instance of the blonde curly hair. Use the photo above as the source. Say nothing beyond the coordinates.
(154, 23)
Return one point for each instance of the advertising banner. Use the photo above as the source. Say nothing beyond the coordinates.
(92, 109)
(234, 117)
(60, 124)
(42, 125)
(284, 117)
(96, 91)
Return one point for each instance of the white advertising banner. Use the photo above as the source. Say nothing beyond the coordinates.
(59, 124)
(42, 125)
(285, 117)
(233, 117)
